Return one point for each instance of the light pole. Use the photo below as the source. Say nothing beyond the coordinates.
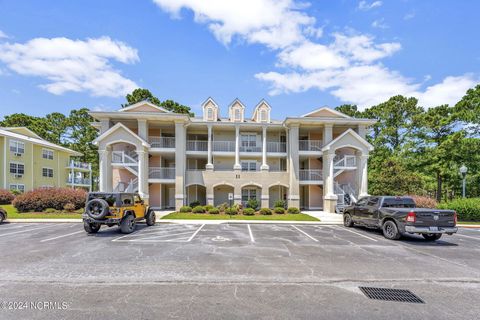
(463, 172)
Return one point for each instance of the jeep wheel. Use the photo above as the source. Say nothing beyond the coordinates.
(91, 227)
(97, 208)
(390, 230)
(128, 224)
(432, 236)
(150, 218)
(347, 220)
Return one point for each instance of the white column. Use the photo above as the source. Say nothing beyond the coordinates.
(264, 165)
(293, 166)
(362, 168)
(180, 148)
(105, 169)
(237, 165)
(143, 174)
(209, 165)
(329, 196)
(327, 133)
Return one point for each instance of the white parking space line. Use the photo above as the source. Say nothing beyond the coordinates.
(62, 236)
(470, 237)
(250, 232)
(151, 236)
(305, 233)
(357, 233)
(31, 229)
(193, 235)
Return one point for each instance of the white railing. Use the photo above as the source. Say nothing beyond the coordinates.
(250, 149)
(162, 142)
(343, 161)
(310, 145)
(197, 145)
(276, 147)
(311, 175)
(80, 165)
(79, 181)
(226, 146)
(161, 173)
(123, 157)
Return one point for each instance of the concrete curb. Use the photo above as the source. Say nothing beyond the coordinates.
(192, 221)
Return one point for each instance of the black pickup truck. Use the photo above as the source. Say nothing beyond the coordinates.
(397, 216)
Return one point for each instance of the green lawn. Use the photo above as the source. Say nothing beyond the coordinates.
(14, 214)
(206, 216)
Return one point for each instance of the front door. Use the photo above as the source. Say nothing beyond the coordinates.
(171, 197)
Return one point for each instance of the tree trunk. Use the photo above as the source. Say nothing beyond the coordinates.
(439, 187)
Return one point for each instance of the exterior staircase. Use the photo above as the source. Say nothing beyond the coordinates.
(346, 196)
(128, 161)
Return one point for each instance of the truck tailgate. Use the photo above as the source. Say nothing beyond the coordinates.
(429, 218)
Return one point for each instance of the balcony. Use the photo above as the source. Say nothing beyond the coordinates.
(79, 181)
(224, 146)
(310, 145)
(79, 165)
(161, 173)
(162, 142)
(276, 147)
(197, 145)
(311, 175)
(250, 148)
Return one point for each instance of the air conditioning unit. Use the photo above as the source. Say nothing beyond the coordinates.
(18, 176)
(18, 154)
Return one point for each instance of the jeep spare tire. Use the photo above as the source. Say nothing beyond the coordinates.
(97, 208)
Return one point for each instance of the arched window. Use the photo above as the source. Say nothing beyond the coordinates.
(209, 114)
(237, 115)
(263, 116)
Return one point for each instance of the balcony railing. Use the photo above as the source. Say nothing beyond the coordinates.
(197, 145)
(310, 145)
(79, 181)
(250, 149)
(276, 147)
(225, 146)
(311, 175)
(161, 173)
(80, 165)
(162, 142)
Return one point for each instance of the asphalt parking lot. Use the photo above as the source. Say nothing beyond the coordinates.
(224, 271)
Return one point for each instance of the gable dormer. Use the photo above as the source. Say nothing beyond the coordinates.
(262, 112)
(144, 106)
(210, 110)
(236, 111)
(325, 112)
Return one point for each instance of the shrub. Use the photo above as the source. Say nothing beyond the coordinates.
(186, 209)
(467, 209)
(222, 207)
(194, 204)
(280, 203)
(56, 198)
(424, 202)
(69, 207)
(249, 211)
(198, 209)
(238, 206)
(252, 203)
(208, 207)
(50, 210)
(233, 211)
(279, 210)
(293, 210)
(265, 211)
(214, 211)
(6, 196)
(16, 192)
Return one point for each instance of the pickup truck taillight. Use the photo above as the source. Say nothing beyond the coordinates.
(411, 217)
(455, 217)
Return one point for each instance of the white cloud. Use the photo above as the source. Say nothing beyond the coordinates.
(274, 23)
(3, 35)
(311, 56)
(449, 91)
(409, 16)
(380, 24)
(365, 5)
(72, 65)
(362, 47)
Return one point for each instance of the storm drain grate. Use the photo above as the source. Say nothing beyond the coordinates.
(387, 294)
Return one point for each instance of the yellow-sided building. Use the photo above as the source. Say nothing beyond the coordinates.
(28, 162)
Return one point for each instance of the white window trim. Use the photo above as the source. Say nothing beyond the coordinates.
(17, 143)
(44, 150)
(212, 116)
(47, 176)
(14, 186)
(17, 163)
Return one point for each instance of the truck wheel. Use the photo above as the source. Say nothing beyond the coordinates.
(91, 227)
(347, 220)
(390, 230)
(150, 218)
(2, 217)
(432, 236)
(128, 224)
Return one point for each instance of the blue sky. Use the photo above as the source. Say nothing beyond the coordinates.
(60, 55)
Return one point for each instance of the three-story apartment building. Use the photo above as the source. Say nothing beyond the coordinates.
(311, 161)
(27, 162)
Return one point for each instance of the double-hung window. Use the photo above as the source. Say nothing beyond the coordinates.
(47, 172)
(210, 114)
(17, 187)
(47, 154)
(249, 194)
(238, 115)
(249, 165)
(17, 168)
(249, 140)
(17, 147)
